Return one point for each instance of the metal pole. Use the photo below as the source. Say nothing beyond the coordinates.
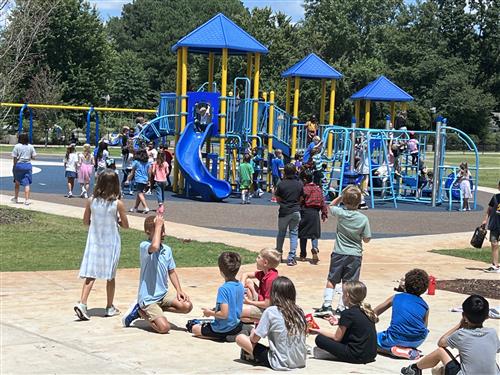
(353, 144)
(437, 159)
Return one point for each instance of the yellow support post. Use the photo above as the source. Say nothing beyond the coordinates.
(184, 73)
(393, 113)
(357, 104)
(264, 96)
(331, 118)
(255, 114)
(322, 103)
(404, 106)
(288, 89)
(295, 119)
(270, 131)
(249, 66)
(211, 56)
(367, 114)
(222, 119)
(175, 186)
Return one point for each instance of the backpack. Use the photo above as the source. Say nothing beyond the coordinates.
(478, 237)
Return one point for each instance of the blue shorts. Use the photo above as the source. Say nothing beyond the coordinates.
(386, 341)
(70, 174)
(23, 173)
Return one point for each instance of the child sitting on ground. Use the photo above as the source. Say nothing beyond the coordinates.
(246, 174)
(410, 314)
(284, 325)
(353, 228)
(157, 266)
(257, 297)
(477, 345)
(227, 312)
(355, 340)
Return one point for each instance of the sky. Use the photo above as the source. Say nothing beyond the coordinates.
(112, 8)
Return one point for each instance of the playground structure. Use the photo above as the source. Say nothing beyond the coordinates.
(212, 130)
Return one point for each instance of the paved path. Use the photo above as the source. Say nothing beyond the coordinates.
(41, 335)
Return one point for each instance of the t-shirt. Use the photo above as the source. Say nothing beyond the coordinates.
(101, 163)
(289, 191)
(71, 162)
(407, 321)
(153, 284)
(152, 155)
(478, 348)
(266, 283)
(494, 219)
(352, 227)
(285, 351)
(246, 172)
(230, 293)
(360, 335)
(23, 153)
(276, 165)
(160, 172)
(413, 145)
(141, 175)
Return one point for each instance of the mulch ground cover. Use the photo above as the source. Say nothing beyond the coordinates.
(486, 288)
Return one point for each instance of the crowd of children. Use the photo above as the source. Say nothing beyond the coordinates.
(265, 298)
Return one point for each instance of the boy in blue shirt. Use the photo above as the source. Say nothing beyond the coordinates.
(229, 303)
(277, 166)
(157, 263)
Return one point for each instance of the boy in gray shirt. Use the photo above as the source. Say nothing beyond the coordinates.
(477, 345)
(353, 229)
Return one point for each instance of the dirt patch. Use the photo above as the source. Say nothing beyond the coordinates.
(14, 216)
(486, 288)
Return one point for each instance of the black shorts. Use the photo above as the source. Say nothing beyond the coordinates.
(260, 355)
(344, 268)
(140, 188)
(207, 331)
(453, 367)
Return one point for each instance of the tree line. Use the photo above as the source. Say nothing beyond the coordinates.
(445, 53)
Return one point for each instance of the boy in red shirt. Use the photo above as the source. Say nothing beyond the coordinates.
(258, 297)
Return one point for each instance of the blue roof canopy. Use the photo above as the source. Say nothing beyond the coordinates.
(312, 67)
(217, 33)
(382, 90)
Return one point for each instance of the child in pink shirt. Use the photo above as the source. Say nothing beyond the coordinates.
(413, 148)
(159, 171)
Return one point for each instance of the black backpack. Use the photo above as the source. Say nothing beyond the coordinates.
(478, 237)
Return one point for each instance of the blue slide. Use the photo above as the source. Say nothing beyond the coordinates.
(188, 155)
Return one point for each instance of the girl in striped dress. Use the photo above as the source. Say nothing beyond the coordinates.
(104, 212)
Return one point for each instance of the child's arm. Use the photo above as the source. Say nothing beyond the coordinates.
(260, 304)
(247, 275)
(86, 214)
(122, 215)
(181, 296)
(222, 313)
(156, 240)
(254, 338)
(130, 176)
(443, 341)
(488, 213)
(336, 201)
(337, 335)
(426, 318)
(380, 309)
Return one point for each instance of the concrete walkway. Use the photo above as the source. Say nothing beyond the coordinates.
(40, 334)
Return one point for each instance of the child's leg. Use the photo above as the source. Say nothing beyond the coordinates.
(244, 343)
(70, 184)
(494, 249)
(303, 247)
(432, 359)
(250, 314)
(252, 289)
(337, 349)
(110, 292)
(142, 199)
(159, 193)
(243, 195)
(87, 287)
(26, 193)
(160, 324)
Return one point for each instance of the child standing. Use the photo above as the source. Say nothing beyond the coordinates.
(492, 218)
(310, 225)
(229, 302)
(157, 266)
(140, 175)
(277, 166)
(355, 340)
(410, 314)
(246, 174)
(101, 156)
(284, 325)
(477, 345)
(257, 297)
(70, 168)
(353, 229)
(85, 163)
(103, 247)
(465, 190)
(128, 161)
(159, 171)
(412, 145)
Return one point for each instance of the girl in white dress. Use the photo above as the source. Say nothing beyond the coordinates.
(464, 178)
(103, 213)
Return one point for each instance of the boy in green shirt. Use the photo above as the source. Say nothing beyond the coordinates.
(246, 174)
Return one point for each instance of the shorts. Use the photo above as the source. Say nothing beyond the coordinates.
(140, 187)
(207, 331)
(453, 367)
(276, 180)
(494, 236)
(23, 174)
(386, 341)
(70, 174)
(255, 312)
(261, 355)
(344, 268)
(156, 309)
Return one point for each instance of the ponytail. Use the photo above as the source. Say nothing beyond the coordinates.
(367, 309)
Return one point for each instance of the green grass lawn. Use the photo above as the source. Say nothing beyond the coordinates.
(60, 150)
(43, 242)
(482, 255)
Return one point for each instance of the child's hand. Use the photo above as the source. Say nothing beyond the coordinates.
(127, 183)
(159, 221)
(181, 296)
(315, 331)
(332, 319)
(247, 301)
(207, 312)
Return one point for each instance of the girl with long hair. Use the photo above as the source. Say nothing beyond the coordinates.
(70, 168)
(104, 212)
(85, 163)
(159, 171)
(284, 324)
(355, 340)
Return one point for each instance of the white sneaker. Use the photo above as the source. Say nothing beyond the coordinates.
(85, 195)
(146, 211)
(132, 209)
(81, 311)
(492, 269)
(27, 202)
(112, 311)
(14, 200)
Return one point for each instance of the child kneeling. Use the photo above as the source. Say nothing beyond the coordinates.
(257, 297)
(156, 263)
(410, 313)
(229, 303)
(285, 326)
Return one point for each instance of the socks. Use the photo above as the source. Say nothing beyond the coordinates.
(243, 196)
(338, 290)
(328, 296)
